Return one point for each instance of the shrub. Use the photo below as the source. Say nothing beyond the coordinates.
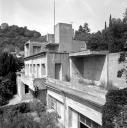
(37, 106)
(116, 100)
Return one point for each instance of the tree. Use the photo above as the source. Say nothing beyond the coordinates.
(9, 65)
(125, 17)
(82, 33)
(15, 36)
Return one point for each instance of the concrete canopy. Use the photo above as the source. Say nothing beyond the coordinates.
(87, 53)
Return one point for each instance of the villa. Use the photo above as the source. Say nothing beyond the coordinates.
(70, 79)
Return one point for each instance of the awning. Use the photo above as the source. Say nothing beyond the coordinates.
(39, 83)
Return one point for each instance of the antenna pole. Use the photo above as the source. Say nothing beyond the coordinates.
(54, 17)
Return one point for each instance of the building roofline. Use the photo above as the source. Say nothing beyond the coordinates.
(75, 95)
(87, 53)
(43, 53)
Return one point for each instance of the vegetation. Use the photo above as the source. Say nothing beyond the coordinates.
(14, 36)
(25, 115)
(114, 111)
(112, 37)
(9, 65)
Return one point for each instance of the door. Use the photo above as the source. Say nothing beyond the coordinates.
(58, 71)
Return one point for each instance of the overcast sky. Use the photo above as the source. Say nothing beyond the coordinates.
(38, 14)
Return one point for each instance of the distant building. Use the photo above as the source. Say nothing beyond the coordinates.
(4, 25)
(69, 77)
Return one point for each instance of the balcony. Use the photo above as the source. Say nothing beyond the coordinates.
(28, 81)
(33, 82)
(78, 87)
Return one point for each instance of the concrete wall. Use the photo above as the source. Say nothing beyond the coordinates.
(21, 90)
(42, 96)
(78, 45)
(50, 38)
(96, 68)
(29, 47)
(63, 36)
(89, 67)
(93, 67)
(36, 71)
(113, 69)
(77, 107)
(63, 59)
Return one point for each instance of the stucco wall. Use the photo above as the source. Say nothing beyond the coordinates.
(78, 107)
(61, 58)
(113, 69)
(89, 67)
(42, 96)
(78, 45)
(63, 36)
(93, 67)
(35, 61)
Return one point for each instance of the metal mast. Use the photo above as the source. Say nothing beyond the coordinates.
(54, 18)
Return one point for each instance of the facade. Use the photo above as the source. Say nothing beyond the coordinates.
(69, 77)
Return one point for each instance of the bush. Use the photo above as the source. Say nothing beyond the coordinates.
(37, 106)
(116, 100)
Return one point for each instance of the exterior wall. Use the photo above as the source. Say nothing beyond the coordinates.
(19, 86)
(36, 71)
(54, 58)
(29, 48)
(78, 45)
(63, 36)
(89, 68)
(77, 108)
(21, 90)
(42, 95)
(50, 38)
(113, 69)
(96, 68)
(26, 49)
(93, 67)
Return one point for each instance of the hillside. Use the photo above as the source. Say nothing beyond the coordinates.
(13, 36)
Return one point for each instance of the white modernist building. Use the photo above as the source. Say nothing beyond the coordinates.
(69, 77)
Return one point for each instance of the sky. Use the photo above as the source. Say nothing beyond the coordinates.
(39, 14)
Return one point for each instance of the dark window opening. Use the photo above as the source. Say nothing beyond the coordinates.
(26, 89)
(82, 125)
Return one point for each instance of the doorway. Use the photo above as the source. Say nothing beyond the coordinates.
(58, 71)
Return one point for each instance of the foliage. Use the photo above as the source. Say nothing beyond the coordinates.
(6, 91)
(116, 100)
(14, 36)
(20, 116)
(121, 120)
(49, 120)
(9, 65)
(112, 38)
(82, 33)
(37, 106)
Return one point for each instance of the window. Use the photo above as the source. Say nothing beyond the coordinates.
(26, 89)
(58, 71)
(38, 69)
(52, 103)
(36, 49)
(30, 68)
(85, 122)
(43, 72)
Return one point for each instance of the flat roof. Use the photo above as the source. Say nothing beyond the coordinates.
(87, 53)
(43, 53)
(89, 94)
